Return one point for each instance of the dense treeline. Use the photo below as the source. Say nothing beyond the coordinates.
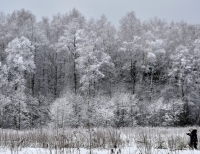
(69, 71)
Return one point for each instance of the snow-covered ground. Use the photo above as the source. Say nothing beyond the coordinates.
(137, 140)
(127, 150)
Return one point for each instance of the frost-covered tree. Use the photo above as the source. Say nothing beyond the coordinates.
(91, 59)
(68, 111)
(3, 36)
(181, 67)
(124, 110)
(107, 33)
(132, 50)
(69, 42)
(20, 60)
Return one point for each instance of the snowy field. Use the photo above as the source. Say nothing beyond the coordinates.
(138, 140)
(128, 150)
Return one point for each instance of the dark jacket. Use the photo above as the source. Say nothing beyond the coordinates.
(193, 138)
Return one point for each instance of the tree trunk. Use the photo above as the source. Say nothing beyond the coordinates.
(75, 78)
(133, 75)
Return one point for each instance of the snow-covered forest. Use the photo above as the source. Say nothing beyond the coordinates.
(69, 71)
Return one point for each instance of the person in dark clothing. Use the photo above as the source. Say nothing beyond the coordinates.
(193, 138)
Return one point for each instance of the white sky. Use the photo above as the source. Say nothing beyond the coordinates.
(176, 10)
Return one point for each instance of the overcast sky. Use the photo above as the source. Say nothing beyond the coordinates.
(176, 10)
